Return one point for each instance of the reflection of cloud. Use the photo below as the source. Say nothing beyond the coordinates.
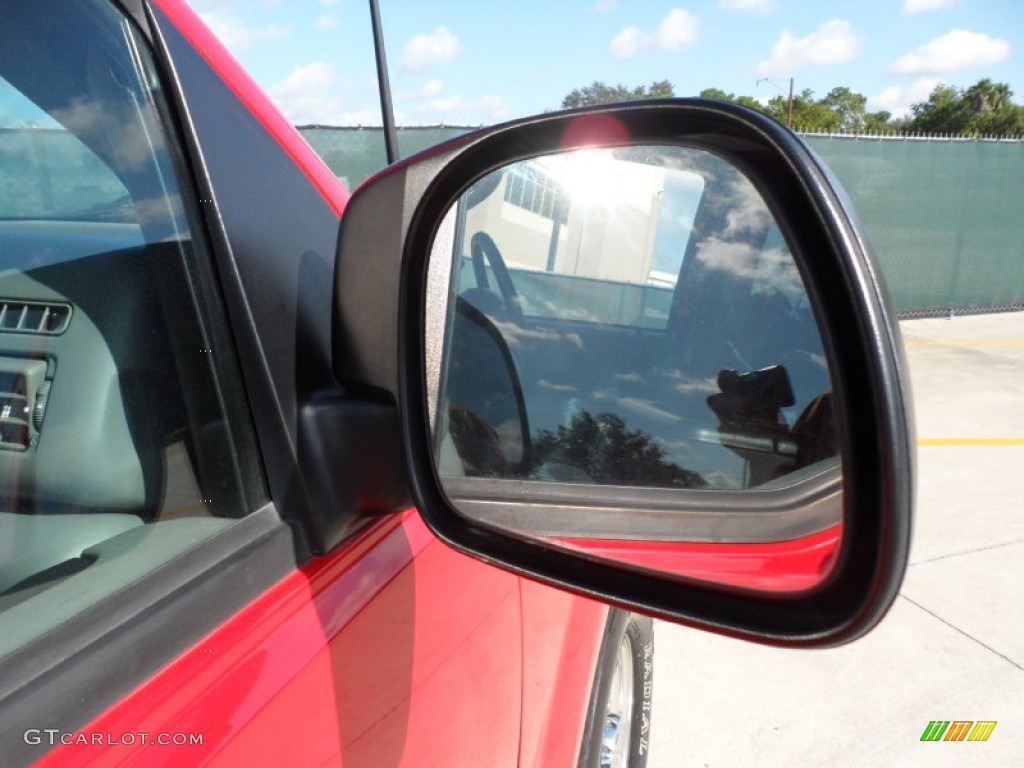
(544, 308)
(645, 408)
(739, 259)
(777, 271)
(688, 385)
(125, 133)
(635, 405)
(772, 269)
(721, 480)
(545, 384)
(749, 213)
(159, 210)
(516, 335)
(680, 450)
(633, 377)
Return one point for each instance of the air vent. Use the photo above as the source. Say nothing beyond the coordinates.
(33, 317)
(23, 394)
(14, 411)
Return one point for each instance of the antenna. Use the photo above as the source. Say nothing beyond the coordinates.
(387, 111)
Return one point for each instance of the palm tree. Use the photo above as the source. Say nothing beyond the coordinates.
(986, 97)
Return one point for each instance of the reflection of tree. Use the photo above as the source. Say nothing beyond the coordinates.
(610, 453)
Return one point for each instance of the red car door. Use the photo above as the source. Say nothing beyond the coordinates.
(174, 609)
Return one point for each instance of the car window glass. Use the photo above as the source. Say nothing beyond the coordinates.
(120, 429)
(653, 325)
(598, 262)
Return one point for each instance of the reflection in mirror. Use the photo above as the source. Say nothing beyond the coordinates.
(628, 318)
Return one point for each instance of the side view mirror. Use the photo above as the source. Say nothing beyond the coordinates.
(642, 353)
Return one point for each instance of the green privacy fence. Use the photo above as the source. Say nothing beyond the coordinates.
(945, 216)
(355, 154)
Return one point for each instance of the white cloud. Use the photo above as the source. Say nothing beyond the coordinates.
(454, 108)
(432, 88)
(328, 3)
(496, 107)
(677, 29)
(429, 90)
(606, 6)
(954, 51)
(326, 21)
(236, 34)
(832, 43)
(446, 104)
(628, 42)
(425, 51)
(309, 94)
(898, 99)
(748, 6)
(921, 6)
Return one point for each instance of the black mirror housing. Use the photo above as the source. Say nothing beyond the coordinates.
(383, 306)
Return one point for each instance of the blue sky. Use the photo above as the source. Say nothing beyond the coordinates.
(472, 63)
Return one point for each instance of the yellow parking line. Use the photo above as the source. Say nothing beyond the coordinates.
(969, 441)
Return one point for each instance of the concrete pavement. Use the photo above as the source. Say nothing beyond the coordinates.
(952, 647)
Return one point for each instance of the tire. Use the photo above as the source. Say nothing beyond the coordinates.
(618, 730)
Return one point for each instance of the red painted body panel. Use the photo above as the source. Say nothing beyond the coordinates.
(392, 650)
(777, 566)
(395, 650)
(561, 642)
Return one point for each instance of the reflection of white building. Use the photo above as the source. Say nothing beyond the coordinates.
(584, 214)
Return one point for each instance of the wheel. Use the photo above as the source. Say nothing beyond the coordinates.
(484, 249)
(617, 734)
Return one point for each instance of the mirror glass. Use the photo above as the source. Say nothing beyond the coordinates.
(621, 350)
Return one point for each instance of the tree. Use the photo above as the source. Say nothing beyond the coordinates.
(849, 107)
(944, 112)
(991, 110)
(986, 97)
(841, 110)
(984, 108)
(746, 101)
(600, 93)
(717, 93)
(809, 114)
(878, 122)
